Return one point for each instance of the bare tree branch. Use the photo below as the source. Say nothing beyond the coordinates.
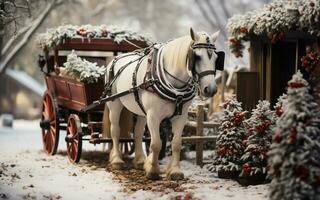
(36, 23)
(217, 20)
(224, 8)
(13, 39)
(205, 14)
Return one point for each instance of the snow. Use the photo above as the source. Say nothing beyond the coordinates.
(28, 173)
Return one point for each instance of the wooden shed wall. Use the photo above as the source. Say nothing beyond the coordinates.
(273, 65)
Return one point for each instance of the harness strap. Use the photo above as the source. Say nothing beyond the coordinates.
(112, 77)
(134, 84)
(205, 73)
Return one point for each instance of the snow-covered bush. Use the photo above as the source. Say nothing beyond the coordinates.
(231, 139)
(260, 127)
(82, 69)
(294, 157)
(273, 20)
(55, 36)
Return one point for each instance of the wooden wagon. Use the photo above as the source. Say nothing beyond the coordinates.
(66, 98)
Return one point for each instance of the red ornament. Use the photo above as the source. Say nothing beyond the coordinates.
(301, 172)
(234, 41)
(292, 137)
(244, 142)
(221, 150)
(277, 137)
(246, 168)
(293, 84)
(243, 29)
(251, 130)
(279, 110)
(82, 32)
(225, 104)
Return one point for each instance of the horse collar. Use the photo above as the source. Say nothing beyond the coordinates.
(163, 88)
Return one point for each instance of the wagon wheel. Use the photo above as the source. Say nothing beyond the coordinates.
(49, 124)
(74, 138)
(127, 148)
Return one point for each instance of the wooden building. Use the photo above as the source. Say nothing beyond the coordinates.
(275, 50)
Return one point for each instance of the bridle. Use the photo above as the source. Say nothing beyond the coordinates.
(191, 61)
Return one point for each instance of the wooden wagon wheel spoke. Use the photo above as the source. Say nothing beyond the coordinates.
(74, 138)
(53, 122)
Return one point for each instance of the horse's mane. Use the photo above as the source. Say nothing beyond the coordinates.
(175, 52)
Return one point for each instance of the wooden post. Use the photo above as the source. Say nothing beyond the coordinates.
(223, 84)
(199, 132)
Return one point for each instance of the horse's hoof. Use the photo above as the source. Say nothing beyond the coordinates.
(117, 166)
(176, 176)
(153, 176)
(138, 166)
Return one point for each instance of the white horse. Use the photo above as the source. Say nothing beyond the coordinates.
(174, 59)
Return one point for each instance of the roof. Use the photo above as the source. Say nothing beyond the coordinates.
(273, 21)
(25, 80)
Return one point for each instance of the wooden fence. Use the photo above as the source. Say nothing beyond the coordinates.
(199, 139)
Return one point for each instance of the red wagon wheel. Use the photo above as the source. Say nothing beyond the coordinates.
(49, 124)
(74, 138)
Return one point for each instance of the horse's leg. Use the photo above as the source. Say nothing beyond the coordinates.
(151, 164)
(138, 134)
(173, 171)
(115, 108)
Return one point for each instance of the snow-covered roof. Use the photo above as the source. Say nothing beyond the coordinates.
(273, 21)
(58, 35)
(27, 81)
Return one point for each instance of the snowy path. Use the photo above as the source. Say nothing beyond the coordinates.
(27, 173)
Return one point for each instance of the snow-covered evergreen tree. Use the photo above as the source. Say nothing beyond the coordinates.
(261, 126)
(231, 139)
(294, 157)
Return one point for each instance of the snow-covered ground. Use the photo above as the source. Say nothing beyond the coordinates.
(28, 173)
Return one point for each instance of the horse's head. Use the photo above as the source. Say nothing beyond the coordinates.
(204, 60)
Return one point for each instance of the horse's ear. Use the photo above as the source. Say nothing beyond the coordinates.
(215, 36)
(193, 35)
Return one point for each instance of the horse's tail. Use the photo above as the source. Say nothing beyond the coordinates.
(106, 123)
(126, 123)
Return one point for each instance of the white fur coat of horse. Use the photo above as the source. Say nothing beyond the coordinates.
(174, 57)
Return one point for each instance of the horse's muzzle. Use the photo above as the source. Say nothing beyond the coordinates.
(209, 91)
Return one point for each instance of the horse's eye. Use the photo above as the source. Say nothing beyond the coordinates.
(197, 57)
